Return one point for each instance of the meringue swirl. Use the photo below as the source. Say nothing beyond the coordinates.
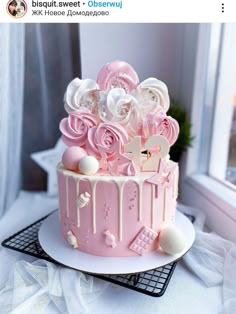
(117, 74)
(153, 91)
(81, 94)
(121, 108)
(105, 114)
(75, 128)
(102, 140)
(160, 124)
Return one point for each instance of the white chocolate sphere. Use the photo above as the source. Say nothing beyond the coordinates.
(88, 165)
(172, 240)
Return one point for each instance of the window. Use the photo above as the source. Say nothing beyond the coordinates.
(222, 163)
(209, 161)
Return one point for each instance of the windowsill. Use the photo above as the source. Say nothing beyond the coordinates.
(215, 199)
(220, 195)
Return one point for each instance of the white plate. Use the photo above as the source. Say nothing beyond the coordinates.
(56, 247)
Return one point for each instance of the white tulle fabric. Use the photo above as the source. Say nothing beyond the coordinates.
(213, 260)
(33, 286)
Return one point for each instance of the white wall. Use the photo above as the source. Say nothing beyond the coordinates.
(152, 49)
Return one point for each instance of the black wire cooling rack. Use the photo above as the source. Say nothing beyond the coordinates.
(153, 282)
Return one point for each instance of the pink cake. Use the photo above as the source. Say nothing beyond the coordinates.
(117, 186)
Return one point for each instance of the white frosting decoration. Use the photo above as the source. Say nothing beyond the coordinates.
(171, 240)
(121, 188)
(88, 165)
(153, 204)
(153, 93)
(121, 107)
(72, 239)
(83, 199)
(93, 185)
(77, 193)
(110, 239)
(140, 207)
(139, 181)
(59, 197)
(80, 94)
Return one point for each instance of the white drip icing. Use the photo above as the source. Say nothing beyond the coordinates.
(59, 198)
(120, 181)
(140, 202)
(93, 187)
(67, 198)
(121, 189)
(77, 207)
(139, 181)
(93, 183)
(153, 204)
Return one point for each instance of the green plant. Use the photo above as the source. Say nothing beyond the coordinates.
(184, 140)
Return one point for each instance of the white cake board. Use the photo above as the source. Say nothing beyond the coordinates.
(56, 247)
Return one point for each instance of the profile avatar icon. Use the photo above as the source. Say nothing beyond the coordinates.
(17, 8)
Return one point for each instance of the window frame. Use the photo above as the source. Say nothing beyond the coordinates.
(223, 103)
(198, 187)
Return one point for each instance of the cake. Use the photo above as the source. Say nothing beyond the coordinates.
(116, 183)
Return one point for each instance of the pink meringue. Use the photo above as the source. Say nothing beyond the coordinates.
(103, 139)
(75, 127)
(117, 74)
(160, 124)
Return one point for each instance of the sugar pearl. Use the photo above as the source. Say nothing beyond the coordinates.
(72, 156)
(88, 165)
(171, 240)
